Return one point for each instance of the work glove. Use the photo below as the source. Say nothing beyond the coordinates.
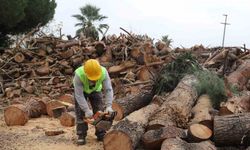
(88, 114)
(109, 110)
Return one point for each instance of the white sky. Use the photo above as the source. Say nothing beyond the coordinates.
(187, 22)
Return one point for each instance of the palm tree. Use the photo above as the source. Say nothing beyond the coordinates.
(87, 19)
(167, 40)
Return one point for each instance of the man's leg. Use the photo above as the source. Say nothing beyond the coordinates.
(97, 105)
(81, 126)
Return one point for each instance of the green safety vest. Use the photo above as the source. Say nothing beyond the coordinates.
(98, 85)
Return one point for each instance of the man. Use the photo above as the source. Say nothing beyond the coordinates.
(88, 82)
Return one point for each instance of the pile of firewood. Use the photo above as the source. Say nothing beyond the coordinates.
(37, 80)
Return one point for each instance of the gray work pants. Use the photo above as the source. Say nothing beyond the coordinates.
(96, 102)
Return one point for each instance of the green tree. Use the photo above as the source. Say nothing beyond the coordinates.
(20, 16)
(167, 40)
(87, 19)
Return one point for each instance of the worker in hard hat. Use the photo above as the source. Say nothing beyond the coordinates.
(89, 80)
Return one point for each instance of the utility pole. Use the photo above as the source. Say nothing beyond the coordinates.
(225, 25)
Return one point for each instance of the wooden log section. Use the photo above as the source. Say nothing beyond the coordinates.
(126, 105)
(178, 144)
(201, 111)
(232, 130)
(176, 110)
(153, 139)
(19, 57)
(239, 78)
(43, 101)
(52, 105)
(199, 132)
(16, 115)
(19, 114)
(67, 119)
(126, 134)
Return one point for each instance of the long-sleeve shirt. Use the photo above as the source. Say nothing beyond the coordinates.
(79, 95)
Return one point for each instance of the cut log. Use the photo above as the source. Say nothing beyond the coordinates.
(199, 132)
(19, 57)
(239, 78)
(100, 48)
(67, 119)
(69, 98)
(232, 130)
(178, 144)
(201, 111)
(117, 69)
(236, 104)
(34, 108)
(43, 70)
(16, 115)
(127, 133)
(219, 57)
(143, 74)
(52, 105)
(58, 111)
(128, 104)
(43, 101)
(176, 110)
(67, 54)
(154, 138)
(160, 45)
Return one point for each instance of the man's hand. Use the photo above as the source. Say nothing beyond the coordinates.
(89, 114)
(109, 110)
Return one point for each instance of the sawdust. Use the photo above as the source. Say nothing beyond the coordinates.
(32, 136)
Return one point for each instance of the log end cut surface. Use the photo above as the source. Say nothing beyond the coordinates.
(16, 115)
(199, 132)
(119, 110)
(117, 140)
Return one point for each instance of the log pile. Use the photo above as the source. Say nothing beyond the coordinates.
(36, 80)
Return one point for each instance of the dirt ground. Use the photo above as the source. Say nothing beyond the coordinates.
(32, 136)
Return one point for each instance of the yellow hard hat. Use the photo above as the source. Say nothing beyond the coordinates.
(93, 69)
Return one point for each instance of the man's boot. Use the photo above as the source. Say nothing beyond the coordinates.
(81, 140)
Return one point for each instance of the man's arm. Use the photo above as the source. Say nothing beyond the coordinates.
(108, 90)
(79, 96)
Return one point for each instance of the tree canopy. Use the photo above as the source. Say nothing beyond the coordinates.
(20, 16)
(87, 19)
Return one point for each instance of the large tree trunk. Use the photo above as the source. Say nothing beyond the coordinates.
(19, 114)
(154, 138)
(178, 144)
(239, 78)
(232, 129)
(126, 105)
(126, 134)
(176, 109)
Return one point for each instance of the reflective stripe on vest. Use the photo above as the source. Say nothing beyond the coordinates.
(98, 86)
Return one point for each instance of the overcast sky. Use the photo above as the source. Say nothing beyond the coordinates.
(187, 22)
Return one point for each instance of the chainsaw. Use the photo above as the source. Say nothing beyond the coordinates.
(102, 120)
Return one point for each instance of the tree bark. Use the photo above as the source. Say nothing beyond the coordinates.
(178, 144)
(126, 105)
(239, 78)
(153, 138)
(232, 130)
(126, 134)
(176, 109)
